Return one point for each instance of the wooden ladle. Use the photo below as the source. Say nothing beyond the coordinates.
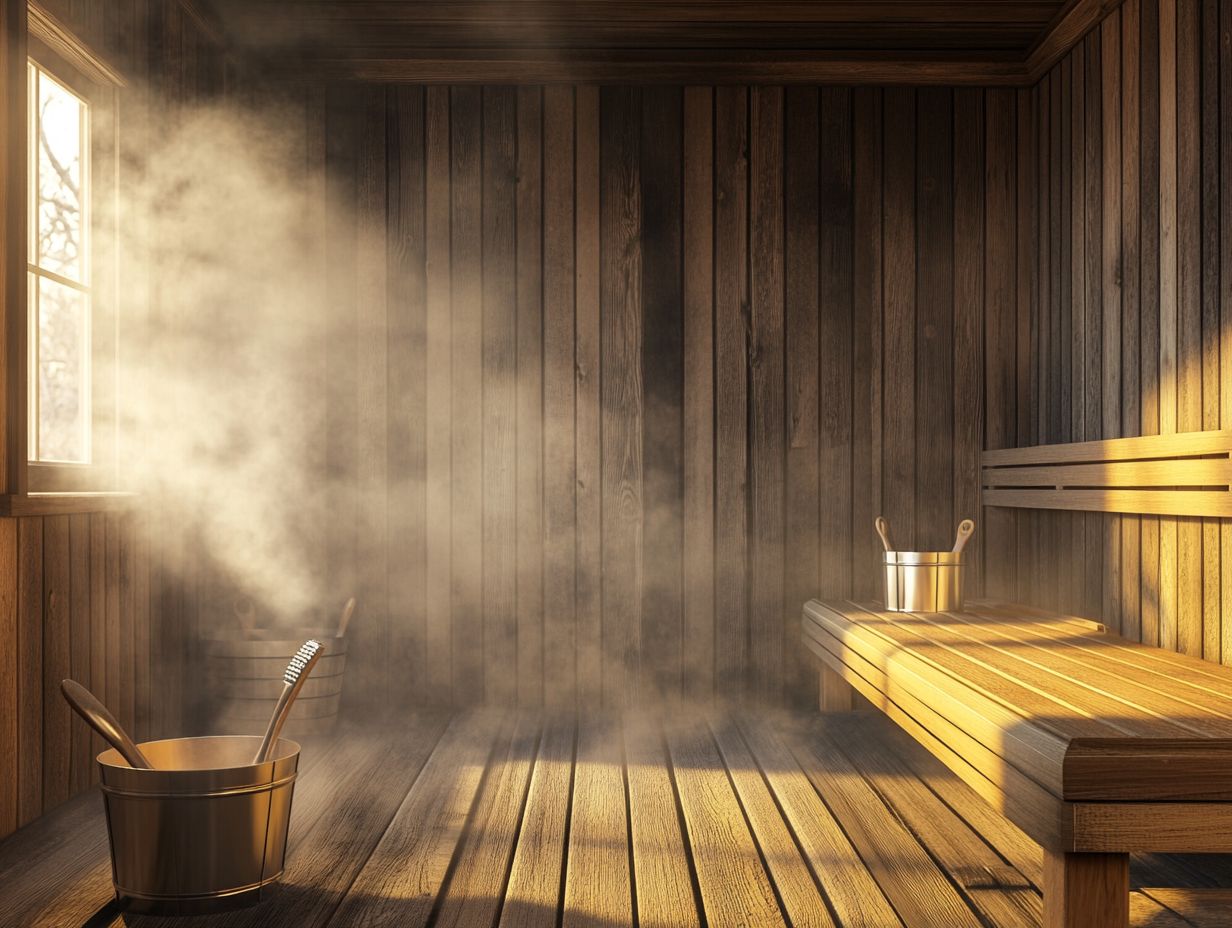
(966, 528)
(883, 530)
(86, 705)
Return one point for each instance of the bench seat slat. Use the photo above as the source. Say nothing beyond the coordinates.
(1084, 715)
(1209, 678)
(1049, 676)
(966, 672)
(1088, 673)
(973, 728)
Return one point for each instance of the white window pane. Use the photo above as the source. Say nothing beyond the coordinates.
(63, 374)
(61, 167)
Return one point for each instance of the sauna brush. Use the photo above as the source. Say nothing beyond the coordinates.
(883, 530)
(87, 705)
(293, 681)
(343, 623)
(966, 528)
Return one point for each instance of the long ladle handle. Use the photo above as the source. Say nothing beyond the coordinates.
(86, 705)
(883, 530)
(966, 528)
(348, 611)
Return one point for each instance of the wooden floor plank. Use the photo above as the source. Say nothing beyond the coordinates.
(734, 886)
(533, 896)
(598, 886)
(854, 894)
(342, 808)
(999, 892)
(802, 899)
(400, 881)
(1145, 912)
(1005, 837)
(1208, 908)
(910, 878)
(477, 885)
(661, 867)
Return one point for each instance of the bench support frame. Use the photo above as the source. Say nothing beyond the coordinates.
(834, 694)
(1086, 890)
(1081, 890)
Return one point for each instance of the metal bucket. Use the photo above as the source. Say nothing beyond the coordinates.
(923, 581)
(246, 679)
(205, 830)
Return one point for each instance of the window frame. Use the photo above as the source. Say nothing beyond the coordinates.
(75, 68)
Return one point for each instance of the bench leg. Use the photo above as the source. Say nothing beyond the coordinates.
(1086, 890)
(834, 693)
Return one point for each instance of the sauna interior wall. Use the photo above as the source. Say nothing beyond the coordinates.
(633, 369)
(86, 595)
(1129, 313)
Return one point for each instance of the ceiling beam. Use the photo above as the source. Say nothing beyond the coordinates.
(1077, 19)
(437, 66)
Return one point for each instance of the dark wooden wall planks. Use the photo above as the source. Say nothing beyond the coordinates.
(1128, 313)
(642, 364)
(87, 595)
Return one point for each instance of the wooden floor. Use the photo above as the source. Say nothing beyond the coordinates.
(487, 818)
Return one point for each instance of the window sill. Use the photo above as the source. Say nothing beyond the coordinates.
(63, 504)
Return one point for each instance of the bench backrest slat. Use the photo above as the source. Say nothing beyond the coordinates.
(1183, 474)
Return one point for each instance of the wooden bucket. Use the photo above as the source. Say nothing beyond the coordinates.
(246, 679)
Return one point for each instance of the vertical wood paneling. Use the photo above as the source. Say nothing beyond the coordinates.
(899, 262)
(499, 390)
(1131, 358)
(57, 661)
(407, 401)
(79, 656)
(1110, 287)
(587, 449)
(867, 352)
(1149, 292)
(802, 519)
(835, 362)
(766, 398)
(1146, 99)
(934, 387)
(29, 647)
(1189, 311)
(466, 392)
(621, 392)
(559, 402)
(530, 397)
(1168, 293)
(1209, 197)
(699, 392)
(10, 682)
(1225, 299)
(438, 643)
(967, 401)
(731, 299)
(661, 347)
(764, 320)
(1000, 330)
(370, 638)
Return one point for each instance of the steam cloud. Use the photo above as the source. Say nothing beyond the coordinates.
(220, 379)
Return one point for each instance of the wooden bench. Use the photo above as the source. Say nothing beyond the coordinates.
(1095, 746)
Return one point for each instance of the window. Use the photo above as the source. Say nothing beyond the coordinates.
(59, 282)
(69, 436)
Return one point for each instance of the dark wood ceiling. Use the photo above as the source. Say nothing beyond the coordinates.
(853, 41)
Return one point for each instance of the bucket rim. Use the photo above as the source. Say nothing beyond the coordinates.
(924, 558)
(285, 749)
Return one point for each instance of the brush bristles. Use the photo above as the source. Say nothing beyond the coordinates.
(300, 660)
